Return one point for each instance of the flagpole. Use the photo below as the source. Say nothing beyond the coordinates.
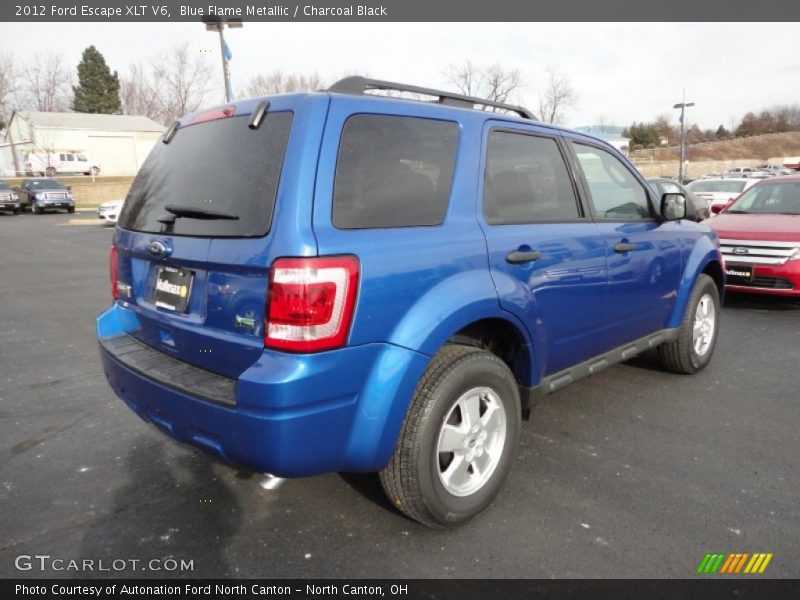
(226, 69)
(218, 25)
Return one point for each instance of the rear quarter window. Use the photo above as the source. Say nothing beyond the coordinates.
(393, 171)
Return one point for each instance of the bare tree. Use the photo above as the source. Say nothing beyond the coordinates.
(556, 97)
(185, 81)
(466, 77)
(279, 82)
(8, 77)
(45, 84)
(166, 87)
(493, 82)
(141, 92)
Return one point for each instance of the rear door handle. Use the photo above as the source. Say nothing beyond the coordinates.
(516, 257)
(624, 247)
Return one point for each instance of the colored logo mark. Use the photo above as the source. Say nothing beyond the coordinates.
(734, 563)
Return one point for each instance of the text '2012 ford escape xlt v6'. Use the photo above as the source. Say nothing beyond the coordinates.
(343, 281)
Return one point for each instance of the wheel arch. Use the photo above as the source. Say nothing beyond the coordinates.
(705, 258)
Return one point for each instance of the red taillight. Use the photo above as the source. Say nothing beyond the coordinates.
(113, 272)
(311, 303)
(213, 115)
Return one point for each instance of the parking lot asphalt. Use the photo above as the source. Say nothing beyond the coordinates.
(631, 473)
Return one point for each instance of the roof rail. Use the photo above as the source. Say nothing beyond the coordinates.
(359, 85)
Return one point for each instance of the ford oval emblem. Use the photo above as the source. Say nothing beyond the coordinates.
(157, 249)
(740, 250)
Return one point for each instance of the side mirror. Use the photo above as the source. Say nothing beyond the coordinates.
(673, 206)
(69, 188)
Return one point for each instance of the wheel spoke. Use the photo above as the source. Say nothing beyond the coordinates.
(470, 410)
(456, 473)
(704, 307)
(492, 419)
(481, 464)
(452, 438)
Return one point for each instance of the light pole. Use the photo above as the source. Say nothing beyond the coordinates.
(218, 25)
(683, 106)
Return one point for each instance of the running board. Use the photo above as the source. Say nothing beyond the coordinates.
(553, 383)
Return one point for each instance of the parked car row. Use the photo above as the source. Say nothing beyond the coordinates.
(36, 194)
(757, 172)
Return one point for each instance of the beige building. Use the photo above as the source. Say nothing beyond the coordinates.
(119, 144)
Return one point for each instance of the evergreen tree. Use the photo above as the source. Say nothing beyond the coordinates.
(98, 89)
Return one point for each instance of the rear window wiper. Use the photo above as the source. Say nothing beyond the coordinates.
(737, 211)
(191, 212)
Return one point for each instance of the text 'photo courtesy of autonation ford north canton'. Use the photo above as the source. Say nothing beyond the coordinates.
(399, 299)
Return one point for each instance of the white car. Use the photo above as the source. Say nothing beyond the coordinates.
(109, 211)
(720, 191)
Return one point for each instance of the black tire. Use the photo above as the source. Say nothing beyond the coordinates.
(70, 209)
(412, 479)
(680, 355)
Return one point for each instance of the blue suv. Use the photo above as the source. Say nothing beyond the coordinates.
(353, 281)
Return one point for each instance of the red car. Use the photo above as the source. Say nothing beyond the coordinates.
(760, 238)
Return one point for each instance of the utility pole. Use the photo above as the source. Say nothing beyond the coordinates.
(10, 140)
(218, 25)
(683, 106)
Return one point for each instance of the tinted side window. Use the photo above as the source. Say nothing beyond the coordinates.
(526, 181)
(393, 172)
(616, 193)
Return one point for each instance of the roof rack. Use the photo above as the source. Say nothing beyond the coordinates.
(359, 85)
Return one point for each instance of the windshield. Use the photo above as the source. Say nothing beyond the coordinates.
(46, 184)
(709, 186)
(4, 186)
(219, 167)
(780, 198)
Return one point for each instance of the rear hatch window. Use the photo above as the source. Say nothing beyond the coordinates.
(221, 171)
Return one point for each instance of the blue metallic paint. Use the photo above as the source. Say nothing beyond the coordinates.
(302, 414)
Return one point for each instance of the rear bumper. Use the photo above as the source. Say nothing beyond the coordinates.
(774, 280)
(294, 415)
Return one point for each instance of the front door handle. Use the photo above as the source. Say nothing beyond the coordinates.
(517, 257)
(624, 247)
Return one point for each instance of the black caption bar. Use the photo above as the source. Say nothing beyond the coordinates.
(400, 10)
(405, 589)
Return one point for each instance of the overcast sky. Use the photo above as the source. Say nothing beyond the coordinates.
(622, 72)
